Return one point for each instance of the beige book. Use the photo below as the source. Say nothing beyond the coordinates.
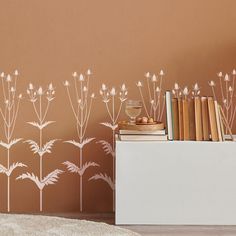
(212, 118)
(218, 121)
(185, 119)
(175, 118)
(205, 119)
(221, 124)
(192, 131)
(198, 118)
(181, 126)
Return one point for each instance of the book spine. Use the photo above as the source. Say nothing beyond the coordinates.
(192, 129)
(181, 126)
(175, 118)
(186, 119)
(169, 115)
(198, 118)
(212, 118)
(218, 121)
(205, 119)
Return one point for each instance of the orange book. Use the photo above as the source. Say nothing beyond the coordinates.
(185, 119)
(205, 119)
(212, 118)
(175, 118)
(192, 131)
(180, 111)
(198, 118)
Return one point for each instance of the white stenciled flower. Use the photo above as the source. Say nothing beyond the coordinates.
(2, 74)
(40, 91)
(227, 78)
(152, 102)
(66, 83)
(6, 102)
(196, 87)
(92, 95)
(176, 86)
(161, 73)
(101, 92)
(154, 78)
(220, 74)
(13, 89)
(113, 91)
(212, 83)
(85, 89)
(31, 87)
(16, 72)
(185, 91)
(234, 72)
(139, 84)
(230, 89)
(74, 74)
(158, 89)
(89, 72)
(50, 87)
(81, 77)
(173, 91)
(225, 101)
(28, 92)
(147, 75)
(104, 87)
(20, 96)
(8, 79)
(123, 88)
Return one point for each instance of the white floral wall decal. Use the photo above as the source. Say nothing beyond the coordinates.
(81, 108)
(156, 102)
(226, 96)
(108, 97)
(36, 97)
(9, 113)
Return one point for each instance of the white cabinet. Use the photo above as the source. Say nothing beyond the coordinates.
(187, 183)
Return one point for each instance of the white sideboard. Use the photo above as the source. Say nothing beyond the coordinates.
(171, 183)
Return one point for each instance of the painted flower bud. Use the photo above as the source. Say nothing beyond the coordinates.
(66, 83)
(139, 84)
(74, 74)
(89, 72)
(161, 73)
(81, 77)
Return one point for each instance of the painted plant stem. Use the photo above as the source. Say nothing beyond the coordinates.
(9, 114)
(81, 108)
(109, 149)
(36, 98)
(155, 105)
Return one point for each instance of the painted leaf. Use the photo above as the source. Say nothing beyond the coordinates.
(48, 146)
(40, 126)
(12, 142)
(105, 178)
(52, 177)
(75, 169)
(109, 125)
(3, 169)
(14, 166)
(33, 178)
(33, 145)
(80, 145)
(106, 146)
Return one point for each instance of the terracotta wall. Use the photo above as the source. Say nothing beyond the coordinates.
(119, 41)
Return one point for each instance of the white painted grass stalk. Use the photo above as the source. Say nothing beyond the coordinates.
(9, 113)
(36, 97)
(109, 97)
(81, 107)
(155, 106)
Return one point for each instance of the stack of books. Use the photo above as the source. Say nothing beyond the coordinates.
(197, 118)
(144, 135)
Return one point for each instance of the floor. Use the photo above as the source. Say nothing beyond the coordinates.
(157, 230)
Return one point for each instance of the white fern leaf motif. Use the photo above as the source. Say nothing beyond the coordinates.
(48, 146)
(80, 145)
(109, 125)
(40, 126)
(52, 177)
(3, 169)
(33, 178)
(105, 178)
(13, 167)
(33, 145)
(75, 169)
(9, 145)
(107, 147)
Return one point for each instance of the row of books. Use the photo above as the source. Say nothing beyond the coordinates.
(197, 118)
